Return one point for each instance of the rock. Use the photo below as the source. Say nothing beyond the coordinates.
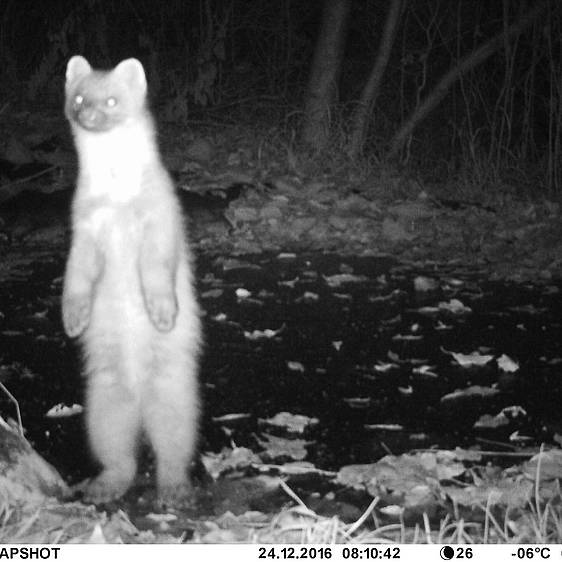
(412, 210)
(201, 150)
(424, 284)
(242, 214)
(339, 223)
(320, 231)
(271, 211)
(285, 186)
(395, 232)
(300, 225)
(354, 204)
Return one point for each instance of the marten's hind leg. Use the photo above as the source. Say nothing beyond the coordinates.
(113, 422)
(170, 413)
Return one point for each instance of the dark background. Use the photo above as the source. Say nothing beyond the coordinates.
(250, 60)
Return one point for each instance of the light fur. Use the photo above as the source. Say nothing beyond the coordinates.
(128, 291)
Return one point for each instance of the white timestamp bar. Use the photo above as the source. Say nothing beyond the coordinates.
(271, 552)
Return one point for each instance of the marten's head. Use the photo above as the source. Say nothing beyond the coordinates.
(100, 100)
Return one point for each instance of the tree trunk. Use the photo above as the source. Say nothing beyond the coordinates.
(326, 66)
(370, 93)
(24, 475)
(473, 59)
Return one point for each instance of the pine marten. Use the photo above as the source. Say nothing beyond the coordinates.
(128, 287)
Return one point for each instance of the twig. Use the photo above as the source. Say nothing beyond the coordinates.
(497, 443)
(361, 519)
(482, 453)
(29, 178)
(293, 495)
(13, 399)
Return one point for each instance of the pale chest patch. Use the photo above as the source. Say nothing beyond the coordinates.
(112, 164)
(116, 227)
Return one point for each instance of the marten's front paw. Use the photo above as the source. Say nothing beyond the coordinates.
(162, 310)
(75, 314)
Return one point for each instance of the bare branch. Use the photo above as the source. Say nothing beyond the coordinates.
(473, 59)
(371, 90)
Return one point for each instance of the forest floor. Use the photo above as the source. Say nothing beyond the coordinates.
(247, 191)
(306, 203)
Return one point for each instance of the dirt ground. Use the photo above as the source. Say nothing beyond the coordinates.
(246, 193)
(246, 190)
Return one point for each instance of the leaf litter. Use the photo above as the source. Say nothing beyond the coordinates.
(383, 229)
(293, 423)
(431, 486)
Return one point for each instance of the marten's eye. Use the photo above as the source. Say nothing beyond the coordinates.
(78, 99)
(111, 102)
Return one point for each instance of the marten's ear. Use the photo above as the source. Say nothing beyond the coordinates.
(76, 68)
(132, 72)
